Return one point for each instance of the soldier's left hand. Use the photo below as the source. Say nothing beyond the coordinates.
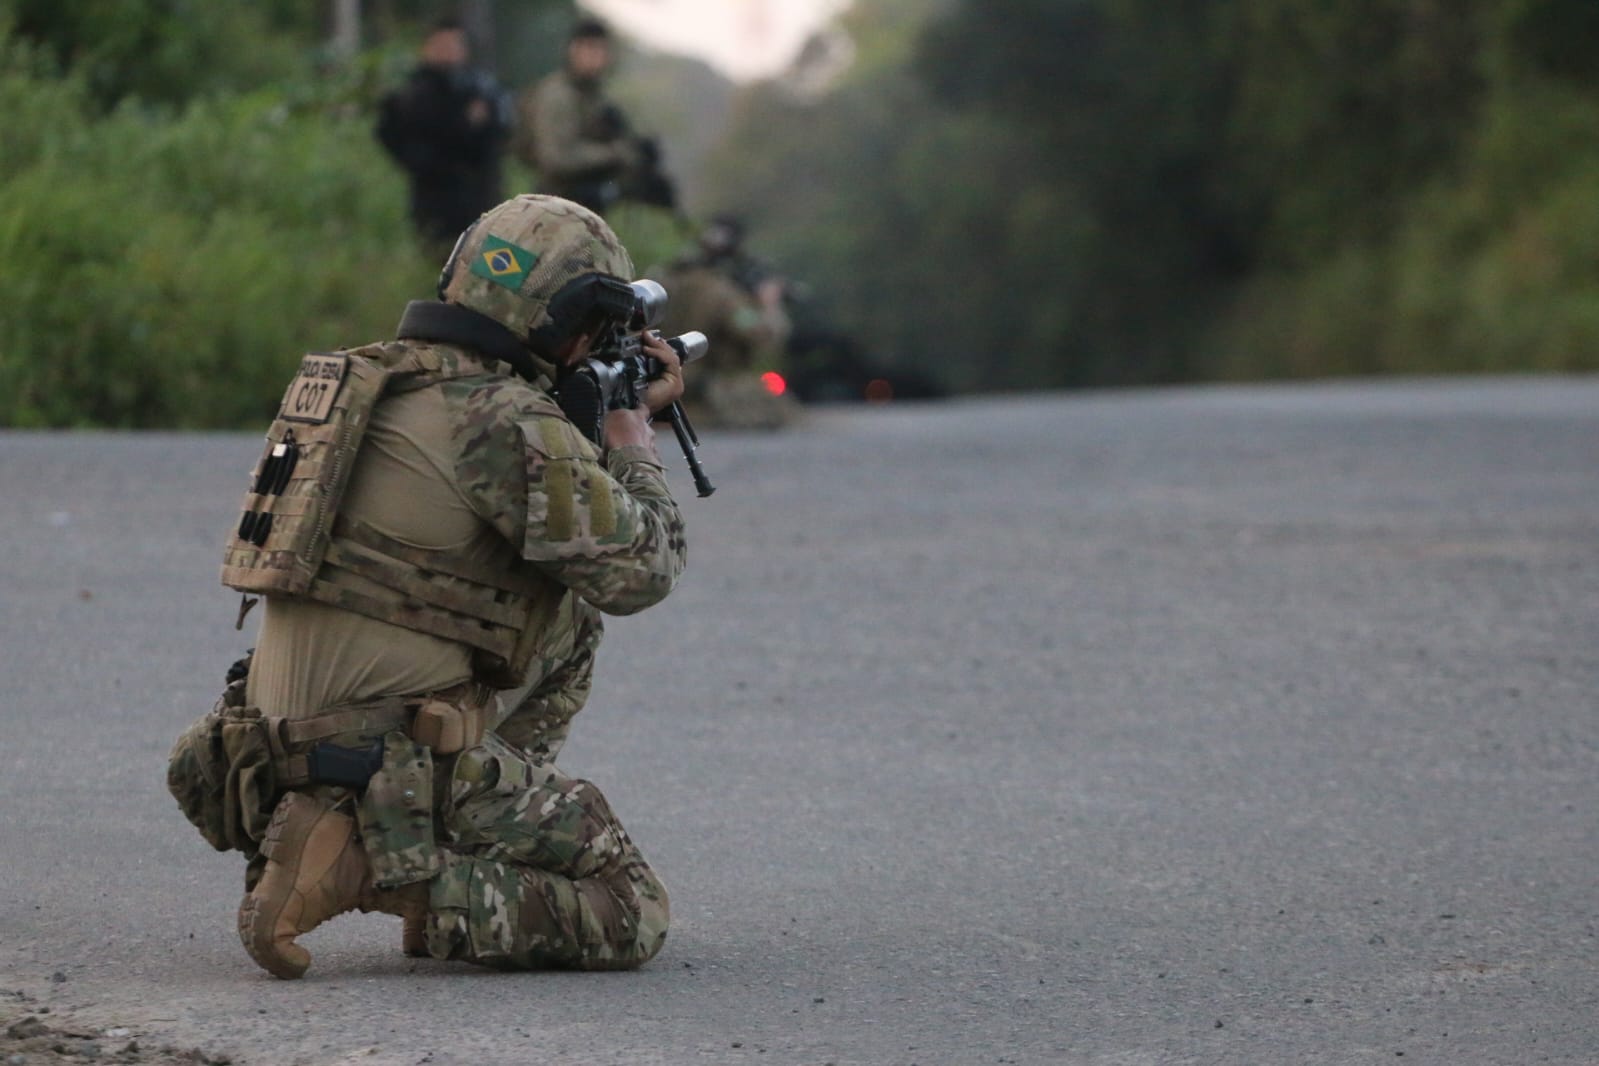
(667, 388)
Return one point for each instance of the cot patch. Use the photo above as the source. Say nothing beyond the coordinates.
(313, 390)
(503, 263)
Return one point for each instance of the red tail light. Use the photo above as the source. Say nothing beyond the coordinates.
(879, 391)
(774, 383)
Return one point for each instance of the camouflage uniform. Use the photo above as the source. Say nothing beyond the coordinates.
(539, 872)
(536, 870)
(537, 717)
(573, 137)
(744, 334)
(464, 462)
(746, 337)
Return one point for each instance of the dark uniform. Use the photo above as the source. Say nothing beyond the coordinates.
(453, 162)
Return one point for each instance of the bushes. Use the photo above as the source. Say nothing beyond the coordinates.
(163, 51)
(1492, 269)
(167, 268)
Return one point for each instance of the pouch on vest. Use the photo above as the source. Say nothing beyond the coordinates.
(220, 772)
(299, 481)
(396, 814)
(446, 728)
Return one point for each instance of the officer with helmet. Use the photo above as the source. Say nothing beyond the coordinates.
(739, 305)
(435, 543)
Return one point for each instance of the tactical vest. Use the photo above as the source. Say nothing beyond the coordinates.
(292, 541)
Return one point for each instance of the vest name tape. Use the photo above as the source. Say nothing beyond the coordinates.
(314, 389)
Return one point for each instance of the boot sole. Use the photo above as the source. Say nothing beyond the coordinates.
(255, 933)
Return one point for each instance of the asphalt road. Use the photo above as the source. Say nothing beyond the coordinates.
(1196, 726)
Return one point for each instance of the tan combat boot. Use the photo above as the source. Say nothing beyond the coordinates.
(316, 869)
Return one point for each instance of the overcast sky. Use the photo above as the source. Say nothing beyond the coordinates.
(742, 38)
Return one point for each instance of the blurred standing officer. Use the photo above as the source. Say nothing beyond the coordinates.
(570, 133)
(446, 126)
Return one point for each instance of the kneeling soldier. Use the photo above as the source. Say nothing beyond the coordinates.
(428, 530)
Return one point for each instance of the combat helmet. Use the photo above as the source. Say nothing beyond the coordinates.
(516, 259)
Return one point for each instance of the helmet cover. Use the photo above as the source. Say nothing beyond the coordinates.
(517, 256)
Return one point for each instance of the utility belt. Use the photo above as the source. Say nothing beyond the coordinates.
(314, 751)
(230, 768)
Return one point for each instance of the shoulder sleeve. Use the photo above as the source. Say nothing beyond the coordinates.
(610, 531)
(489, 469)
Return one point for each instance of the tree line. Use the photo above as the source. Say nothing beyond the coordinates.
(1109, 192)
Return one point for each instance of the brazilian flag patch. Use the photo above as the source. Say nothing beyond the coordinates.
(503, 263)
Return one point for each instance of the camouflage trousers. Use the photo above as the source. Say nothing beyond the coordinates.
(537, 871)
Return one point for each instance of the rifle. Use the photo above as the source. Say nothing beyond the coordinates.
(614, 376)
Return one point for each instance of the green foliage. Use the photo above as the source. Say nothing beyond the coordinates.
(854, 197)
(1495, 268)
(1123, 191)
(167, 269)
(163, 51)
(1004, 193)
(1338, 114)
(651, 235)
(186, 206)
(1551, 38)
(1490, 263)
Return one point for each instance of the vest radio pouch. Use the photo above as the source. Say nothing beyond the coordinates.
(221, 773)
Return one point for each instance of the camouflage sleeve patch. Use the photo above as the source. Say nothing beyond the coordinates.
(615, 540)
